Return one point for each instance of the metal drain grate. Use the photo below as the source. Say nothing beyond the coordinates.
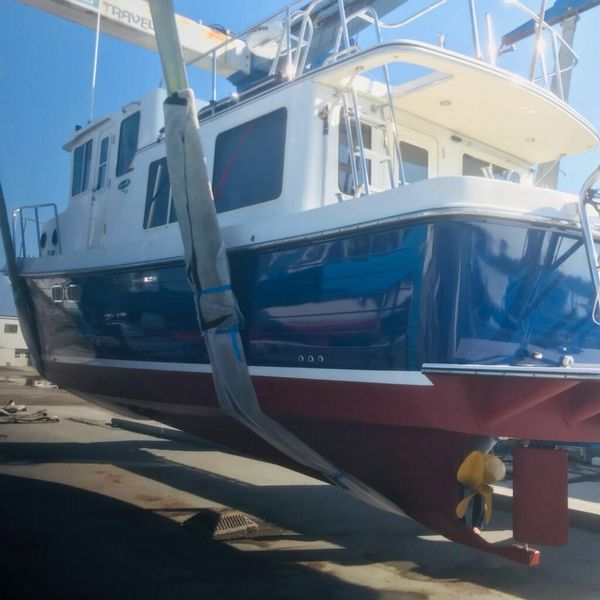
(222, 525)
(232, 523)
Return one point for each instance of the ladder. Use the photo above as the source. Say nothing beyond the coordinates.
(391, 139)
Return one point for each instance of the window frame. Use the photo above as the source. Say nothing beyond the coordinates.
(419, 146)
(493, 163)
(281, 176)
(406, 135)
(85, 167)
(121, 169)
(171, 214)
(103, 164)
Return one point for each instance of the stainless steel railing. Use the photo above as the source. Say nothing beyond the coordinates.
(292, 30)
(26, 217)
(590, 197)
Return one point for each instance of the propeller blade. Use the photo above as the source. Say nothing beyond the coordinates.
(463, 505)
(471, 471)
(494, 469)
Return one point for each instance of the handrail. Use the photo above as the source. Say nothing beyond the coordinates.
(297, 23)
(18, 216)
(587, 196)
(370, 15)
(541, 25)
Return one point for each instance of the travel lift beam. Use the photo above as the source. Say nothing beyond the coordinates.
(131, 21)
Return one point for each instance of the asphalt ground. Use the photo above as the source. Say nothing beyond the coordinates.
(91, 511)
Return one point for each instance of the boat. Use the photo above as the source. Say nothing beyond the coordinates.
(409, 289)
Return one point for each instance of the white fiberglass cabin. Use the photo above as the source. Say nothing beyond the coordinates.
(279, 149)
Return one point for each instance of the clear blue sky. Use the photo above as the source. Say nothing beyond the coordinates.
(45, 72)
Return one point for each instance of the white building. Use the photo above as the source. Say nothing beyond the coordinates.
(13, 349)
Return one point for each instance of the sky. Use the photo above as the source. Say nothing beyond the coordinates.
(45, 77)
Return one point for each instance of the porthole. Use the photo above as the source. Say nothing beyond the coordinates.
(74, 292)
(58, 294)
(54, 237)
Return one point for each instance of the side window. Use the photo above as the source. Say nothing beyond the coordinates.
(82, 160)
(160, 209)
(128, 143)
(102, 164)
(11, 328)
(249, 161)
(415, 161)
(483, 168)
(345, 183)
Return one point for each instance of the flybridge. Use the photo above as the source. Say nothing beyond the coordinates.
(305, 36)
(312, 31)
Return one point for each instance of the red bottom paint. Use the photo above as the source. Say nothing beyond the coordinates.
(406, 442)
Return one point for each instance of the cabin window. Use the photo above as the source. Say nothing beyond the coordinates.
(160, 209)
(82, 160)
(345, 182)
(11, 328)
(415, 162)
(128, 143)
(483, 168)
(102, 164)
(249, 159)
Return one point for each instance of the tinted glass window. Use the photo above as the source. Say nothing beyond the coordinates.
(82, 159)
(249, 159)
(102, 164)
(128, 142)
(345, 183)
(415, 161)
(11, 328)
(160, 209)
(483, 168)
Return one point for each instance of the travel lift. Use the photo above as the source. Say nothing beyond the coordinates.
(540, 511)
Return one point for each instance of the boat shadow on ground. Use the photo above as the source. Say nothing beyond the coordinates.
(134, 548)
(63, 542)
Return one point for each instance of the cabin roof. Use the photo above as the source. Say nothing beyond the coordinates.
(83, 132)
(473, 99)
